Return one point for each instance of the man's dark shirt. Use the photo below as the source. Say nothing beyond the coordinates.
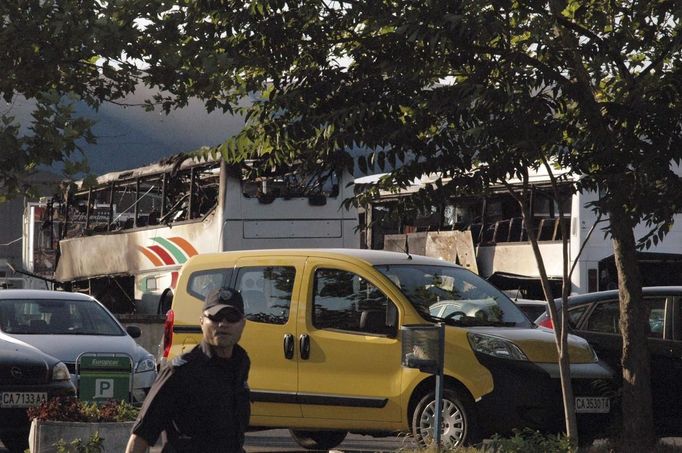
(201, 402)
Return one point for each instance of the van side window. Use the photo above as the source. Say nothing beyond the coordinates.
(266, 292)
(343, 300)
(202, 282)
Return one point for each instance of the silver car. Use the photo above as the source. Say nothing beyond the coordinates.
(66, 325)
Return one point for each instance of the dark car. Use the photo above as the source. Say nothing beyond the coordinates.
(530, 307)
(595, 317)
(27, 378)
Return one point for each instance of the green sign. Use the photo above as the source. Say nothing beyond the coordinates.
(104, 377)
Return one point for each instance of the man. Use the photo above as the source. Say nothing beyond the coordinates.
(200, 401)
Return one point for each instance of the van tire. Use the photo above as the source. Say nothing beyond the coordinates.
(318, 440)
(458, 420)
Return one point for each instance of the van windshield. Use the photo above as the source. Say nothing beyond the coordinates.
(453, 294)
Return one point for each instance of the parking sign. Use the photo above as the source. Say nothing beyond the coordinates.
(104, 377)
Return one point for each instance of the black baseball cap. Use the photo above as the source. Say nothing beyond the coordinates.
(223, 298)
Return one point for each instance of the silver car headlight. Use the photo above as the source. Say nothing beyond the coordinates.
(146, 364)
(495, 346)
(60, 372)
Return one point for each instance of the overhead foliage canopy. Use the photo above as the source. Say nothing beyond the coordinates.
(441, 84)
(55, 54)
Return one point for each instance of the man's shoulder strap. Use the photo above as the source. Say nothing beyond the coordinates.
(187, 357)
(179, 361)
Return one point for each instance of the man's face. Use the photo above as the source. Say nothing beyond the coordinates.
(224, 329)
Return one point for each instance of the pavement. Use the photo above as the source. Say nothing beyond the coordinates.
(279, 440)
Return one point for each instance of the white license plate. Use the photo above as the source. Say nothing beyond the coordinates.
(592, 404)
(22, 399)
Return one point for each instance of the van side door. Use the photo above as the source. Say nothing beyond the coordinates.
(270, 288)
(350, 357)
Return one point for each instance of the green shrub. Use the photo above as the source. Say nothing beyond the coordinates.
(529, 441)
(74, 410)
(522, 441)
(94, 445)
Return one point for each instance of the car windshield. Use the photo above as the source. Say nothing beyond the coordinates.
(454, 294)
(56, 317)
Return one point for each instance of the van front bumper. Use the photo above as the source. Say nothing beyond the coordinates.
(529, 395)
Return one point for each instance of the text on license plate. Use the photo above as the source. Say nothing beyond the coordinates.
(22, 399)
(592, 404)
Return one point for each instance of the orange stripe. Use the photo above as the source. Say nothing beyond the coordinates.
(184, 245)
(152, 257)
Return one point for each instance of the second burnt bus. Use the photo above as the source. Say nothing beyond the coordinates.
(500, 241)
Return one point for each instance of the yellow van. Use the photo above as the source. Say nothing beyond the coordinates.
(324, 337)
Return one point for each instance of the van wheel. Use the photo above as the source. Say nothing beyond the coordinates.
(318, 440)
(458, 426)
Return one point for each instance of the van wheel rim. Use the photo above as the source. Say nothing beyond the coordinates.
(453, 424)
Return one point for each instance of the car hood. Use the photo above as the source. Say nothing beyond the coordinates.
(22, 359)
(16, 352)
(67, 348)
(539, 344)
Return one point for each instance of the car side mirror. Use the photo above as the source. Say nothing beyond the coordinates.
(134, 331)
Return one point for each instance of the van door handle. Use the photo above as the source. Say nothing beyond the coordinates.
(304, 345)
(288, 346)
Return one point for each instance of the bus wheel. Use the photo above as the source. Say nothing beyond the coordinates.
(318, 440)
(458, 425)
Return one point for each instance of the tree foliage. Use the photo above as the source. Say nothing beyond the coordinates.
(56, 54)
(442, 84)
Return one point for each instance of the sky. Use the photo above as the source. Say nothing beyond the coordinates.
(129, 137)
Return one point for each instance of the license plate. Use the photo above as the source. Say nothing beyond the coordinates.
(592, 404)
(22, 399)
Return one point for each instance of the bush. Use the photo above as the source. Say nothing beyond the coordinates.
(522, 441)
(74, 410)
(93, 445)
(529, 441)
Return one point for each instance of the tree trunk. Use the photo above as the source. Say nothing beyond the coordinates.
(637, 433)
(560, 328)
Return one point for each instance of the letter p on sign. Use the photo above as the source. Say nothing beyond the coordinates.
(104, 388)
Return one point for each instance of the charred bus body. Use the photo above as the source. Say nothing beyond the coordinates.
(494, 239)
(124, 237)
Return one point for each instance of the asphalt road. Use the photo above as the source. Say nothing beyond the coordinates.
(278, 440)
